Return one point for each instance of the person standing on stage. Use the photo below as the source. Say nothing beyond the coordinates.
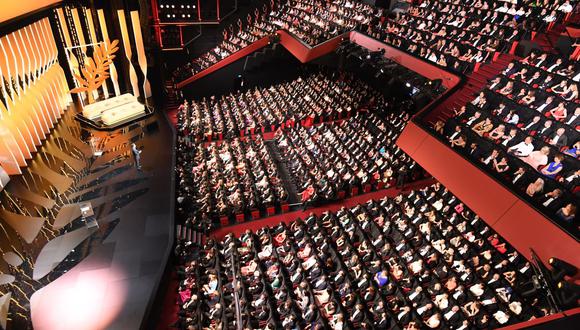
(137, 155)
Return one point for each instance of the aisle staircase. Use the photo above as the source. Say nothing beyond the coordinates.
(474, 83)
(293, 197)
(172, 103)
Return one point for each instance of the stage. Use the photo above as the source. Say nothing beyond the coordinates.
(77, 275)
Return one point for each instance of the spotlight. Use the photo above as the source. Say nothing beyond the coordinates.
(408, 85)
(568, 294)
(161, 6)
(561, 269)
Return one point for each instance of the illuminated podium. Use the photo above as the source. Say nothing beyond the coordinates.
(114, 112)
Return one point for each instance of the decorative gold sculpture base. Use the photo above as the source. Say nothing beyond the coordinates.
(114, 112)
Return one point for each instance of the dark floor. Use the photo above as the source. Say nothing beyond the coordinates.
(110, 279)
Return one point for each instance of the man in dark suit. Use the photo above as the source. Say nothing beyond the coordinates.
(474, 151)
(532, 125)
(551, 200)
(546, 129)
(571, 179)
(310, 314)
(559, 139)
(382, 322)
(357, 314)
(573, 118)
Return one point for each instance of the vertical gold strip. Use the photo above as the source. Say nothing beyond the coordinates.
(6, 68)
(128, 52)
(142, 58)
(112, 69)
(93, 34)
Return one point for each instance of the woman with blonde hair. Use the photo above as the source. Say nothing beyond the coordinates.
(537, 158)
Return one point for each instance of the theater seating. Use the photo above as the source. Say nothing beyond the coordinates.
(535, 98)
(356, 153)
(316, 97)
(228, 178)
(313, 21)
(417, 261)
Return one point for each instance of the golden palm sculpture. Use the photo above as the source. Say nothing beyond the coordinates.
(96, 70)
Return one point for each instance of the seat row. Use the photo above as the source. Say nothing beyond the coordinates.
(416, 261)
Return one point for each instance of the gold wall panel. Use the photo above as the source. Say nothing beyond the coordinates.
(37, 96)
(128, 52)
(13, 9)
(26, 226)
(112, 69)
(141, 57)
(93, 34)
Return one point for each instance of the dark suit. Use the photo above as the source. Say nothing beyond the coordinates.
(545, 131)
(574, 122)
(533, 127)
(562, 141)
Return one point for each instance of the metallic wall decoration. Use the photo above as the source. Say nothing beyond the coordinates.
(4, 305)
(95, 39)
(105, 35)
(128, 52)
(142, 58)
(27, 227)
(35, 96)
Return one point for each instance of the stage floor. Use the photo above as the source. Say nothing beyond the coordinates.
(116, 268)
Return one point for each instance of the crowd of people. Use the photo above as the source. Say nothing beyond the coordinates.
(524, 128)
(227, 178)
(313, 21)
(460, 34)
(317, 96)
(453, 34)
(355, 153)
(234, 39)
(416, 261)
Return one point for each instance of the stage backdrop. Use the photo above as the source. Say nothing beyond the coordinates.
(13, 9)
(34, 92)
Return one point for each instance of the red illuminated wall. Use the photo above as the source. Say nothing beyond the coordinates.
(511, 217)
(304, 53)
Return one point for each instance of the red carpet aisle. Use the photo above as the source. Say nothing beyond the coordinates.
(170, 308)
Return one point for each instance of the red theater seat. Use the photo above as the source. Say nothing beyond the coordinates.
(354, 191)
(285, 207)
(367, 188)
(255, 214)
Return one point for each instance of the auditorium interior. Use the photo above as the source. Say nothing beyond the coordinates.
(289, 164)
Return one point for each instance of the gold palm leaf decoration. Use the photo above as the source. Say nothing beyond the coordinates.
(96, 70)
